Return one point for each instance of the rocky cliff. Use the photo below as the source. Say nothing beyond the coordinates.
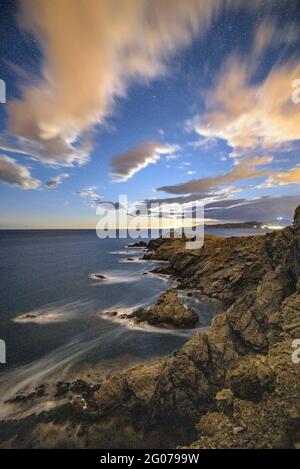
(235, 386)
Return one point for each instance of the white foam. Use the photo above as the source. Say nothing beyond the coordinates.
(112, 278)
(144, 327)
(133, 260)
(53, 313)
(126, 252)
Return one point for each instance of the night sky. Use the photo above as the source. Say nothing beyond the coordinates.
(153, 99)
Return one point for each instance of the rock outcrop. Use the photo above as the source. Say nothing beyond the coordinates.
(235, 386)
(168, 312)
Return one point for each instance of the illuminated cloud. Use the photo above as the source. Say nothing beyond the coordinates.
(271, 34)
(92, 51)
(253, 116)
(124, 166)
(292, 176)
(16, 174)
(245, 169)
(218, 195)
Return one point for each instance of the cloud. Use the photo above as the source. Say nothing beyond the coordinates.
(260, 209)
(253, 116)
(92, 51)
(218, 195)
(270, 34)
(292, 176)
(91, 195)
(56, 181)
(172, 157)
(54, 152)
(127, 164)
(245, 169)
(16, 174)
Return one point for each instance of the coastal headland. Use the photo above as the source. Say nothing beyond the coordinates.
(234, 386)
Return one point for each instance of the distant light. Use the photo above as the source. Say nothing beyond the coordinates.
(279, 218)
(272, 227)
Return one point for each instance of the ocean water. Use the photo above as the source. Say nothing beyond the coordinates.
(49, 276)
(52, 306)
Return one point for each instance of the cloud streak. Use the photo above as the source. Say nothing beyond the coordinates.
(260, 209)
(91, 195)
(253, 116)
(246, 169)
(127, 164)
(16, 174)
(92, 52)
(56, 181)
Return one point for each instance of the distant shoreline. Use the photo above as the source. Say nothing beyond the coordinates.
(234, 225)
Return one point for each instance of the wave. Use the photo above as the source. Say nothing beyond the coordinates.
(126, 252)
(133, 260)
(116, 315)
(109, 279)
(53, 313)
(57, 365)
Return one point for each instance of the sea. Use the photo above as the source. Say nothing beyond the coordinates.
(54, 305)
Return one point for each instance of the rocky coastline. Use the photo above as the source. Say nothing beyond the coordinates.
(168, 312)
(234, 386)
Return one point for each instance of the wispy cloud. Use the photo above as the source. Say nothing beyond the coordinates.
(92, 51)
(246, 169)
(127, 164)
(292, 176)
(91, 195)
(16, 174)
(56, 181)
(254, 117)
(259, 209)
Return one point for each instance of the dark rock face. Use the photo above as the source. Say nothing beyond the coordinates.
(39, 391)
(168, 312)
(100, 277)
(252, 379)
(296, 244)
(62, 389)
(138, 244)
(235, 386)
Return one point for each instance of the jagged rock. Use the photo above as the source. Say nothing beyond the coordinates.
(224, 401)
(248, 349)
(252, 379)
(168, 312)
(138, 244)
(274, 422)
(39, 391)
(213, 423)
(62, 389)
